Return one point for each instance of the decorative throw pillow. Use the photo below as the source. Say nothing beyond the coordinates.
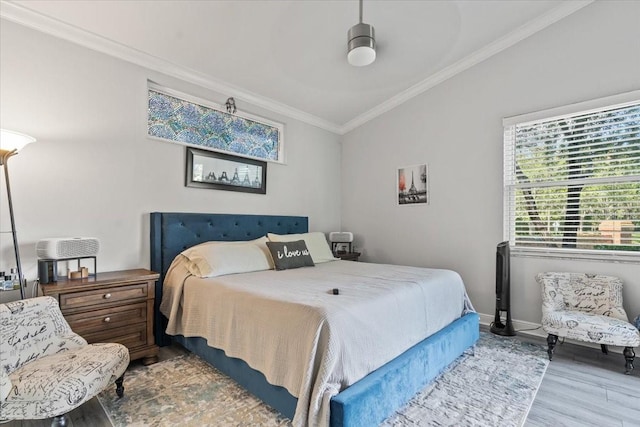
(316, 243)
(288, 255)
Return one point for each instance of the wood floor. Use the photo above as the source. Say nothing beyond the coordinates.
(582, 387)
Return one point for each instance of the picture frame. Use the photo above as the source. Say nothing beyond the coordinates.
(219, 171)
(412, 185)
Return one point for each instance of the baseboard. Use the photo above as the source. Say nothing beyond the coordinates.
(535, 330)
(521, 326)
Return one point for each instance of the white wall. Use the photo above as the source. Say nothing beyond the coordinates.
(93, 171)
(456, 128)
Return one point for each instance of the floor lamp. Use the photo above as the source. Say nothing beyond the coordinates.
(10, 143)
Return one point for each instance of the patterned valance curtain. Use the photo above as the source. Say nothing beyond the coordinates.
(181, 118)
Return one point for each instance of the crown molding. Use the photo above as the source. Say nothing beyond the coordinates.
(29, 18)
(565, 9)
(48, 25)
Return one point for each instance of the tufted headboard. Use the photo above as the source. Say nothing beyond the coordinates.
(171, 233)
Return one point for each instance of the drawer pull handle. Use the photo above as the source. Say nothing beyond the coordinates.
(107, 296)
(107, 319)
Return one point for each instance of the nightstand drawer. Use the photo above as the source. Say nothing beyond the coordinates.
(108, 318)
(130, 336)
(114, 306)
(103, 296)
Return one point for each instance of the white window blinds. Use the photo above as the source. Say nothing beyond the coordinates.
(572, 182)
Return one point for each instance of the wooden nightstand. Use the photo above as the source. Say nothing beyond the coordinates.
(347, 256)
(115, 306)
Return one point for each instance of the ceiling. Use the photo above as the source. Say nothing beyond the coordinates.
(290, 56)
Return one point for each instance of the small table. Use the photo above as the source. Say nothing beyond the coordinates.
(114, 306)
(347, 256)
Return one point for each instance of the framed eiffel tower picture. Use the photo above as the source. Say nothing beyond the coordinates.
(413, 185)
(219, 171)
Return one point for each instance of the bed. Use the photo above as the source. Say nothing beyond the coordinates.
(364, 402)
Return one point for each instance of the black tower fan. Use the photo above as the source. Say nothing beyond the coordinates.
(503, 297)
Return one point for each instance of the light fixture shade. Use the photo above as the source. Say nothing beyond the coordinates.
(362, 45)
(10, 140)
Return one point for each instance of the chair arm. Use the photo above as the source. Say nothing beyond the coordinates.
(616, 309)
(5, 385)
(552, 296)
(72, 340)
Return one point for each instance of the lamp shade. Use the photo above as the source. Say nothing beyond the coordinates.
(10, 140)
(362, 45)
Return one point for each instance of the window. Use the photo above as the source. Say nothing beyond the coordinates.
(177, 117)
(572, 181)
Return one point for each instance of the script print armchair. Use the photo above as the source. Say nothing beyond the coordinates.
(586, 307)
(46, 370)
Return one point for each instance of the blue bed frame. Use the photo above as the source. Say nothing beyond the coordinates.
(365, 403)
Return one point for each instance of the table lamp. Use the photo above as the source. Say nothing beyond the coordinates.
(340, 239)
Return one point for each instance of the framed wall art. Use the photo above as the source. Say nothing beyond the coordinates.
(412, 185)
(219, 171)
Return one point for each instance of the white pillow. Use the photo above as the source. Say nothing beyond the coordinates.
(316, 243)
(212, 259)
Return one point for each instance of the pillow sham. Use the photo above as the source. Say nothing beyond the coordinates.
(212, 259)
(316, 243)
(288, 255)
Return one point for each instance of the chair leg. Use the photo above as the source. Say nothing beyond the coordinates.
(551, 342)
(60, 421)
(120, 386)
(604, 348)
(629, 355)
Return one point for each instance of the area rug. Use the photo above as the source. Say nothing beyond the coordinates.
(493, 385)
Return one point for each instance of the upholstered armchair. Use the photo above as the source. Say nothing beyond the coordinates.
(46, 370)
(586, 307)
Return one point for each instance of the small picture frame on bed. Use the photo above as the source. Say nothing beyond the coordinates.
(219, 171)
(412, 185)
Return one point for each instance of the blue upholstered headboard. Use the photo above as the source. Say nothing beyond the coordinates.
(171, 233)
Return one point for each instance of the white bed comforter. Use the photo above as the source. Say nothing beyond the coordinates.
(289, 326)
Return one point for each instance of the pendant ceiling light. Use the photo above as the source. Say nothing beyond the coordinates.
(362, 43)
